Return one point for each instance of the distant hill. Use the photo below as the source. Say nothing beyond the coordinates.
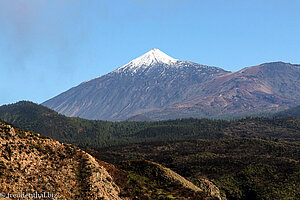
(38, 118)
(292, 112)
(159, 87)
(257, 89)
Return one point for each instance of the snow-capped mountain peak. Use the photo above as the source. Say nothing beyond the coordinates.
(153, 56)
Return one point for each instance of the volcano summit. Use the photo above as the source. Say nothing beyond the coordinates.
(157, 86)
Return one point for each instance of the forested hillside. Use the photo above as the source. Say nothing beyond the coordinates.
(243, 168)
(95, 133)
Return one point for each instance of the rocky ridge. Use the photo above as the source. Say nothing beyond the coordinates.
(35, 164)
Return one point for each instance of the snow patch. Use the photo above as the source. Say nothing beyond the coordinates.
(154, 56)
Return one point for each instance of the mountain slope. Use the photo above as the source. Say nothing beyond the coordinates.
(158, 87)
(149, 82)
(262, 88)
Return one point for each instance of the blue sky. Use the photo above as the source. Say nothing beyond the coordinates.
(49, 46)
